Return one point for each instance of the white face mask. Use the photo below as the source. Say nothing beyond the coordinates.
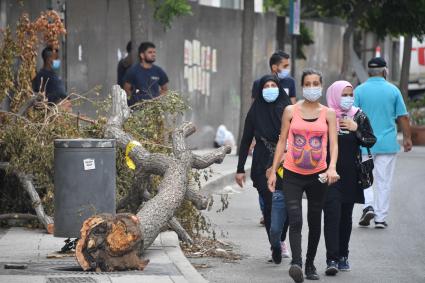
(346, 102)
(312, 93)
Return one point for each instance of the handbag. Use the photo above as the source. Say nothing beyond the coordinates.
(365, 177)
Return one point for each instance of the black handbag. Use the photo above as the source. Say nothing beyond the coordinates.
(365, 178)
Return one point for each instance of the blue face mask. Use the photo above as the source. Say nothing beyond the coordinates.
(270, 94)
(312, 93)
(283, 73)
(346, 102)
(56, 64)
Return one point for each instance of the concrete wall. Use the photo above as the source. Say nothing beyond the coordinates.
(325, 54)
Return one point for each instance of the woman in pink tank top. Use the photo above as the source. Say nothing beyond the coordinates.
(307, 128)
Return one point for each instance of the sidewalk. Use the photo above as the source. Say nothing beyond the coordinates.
(31, 247)
(167, 262)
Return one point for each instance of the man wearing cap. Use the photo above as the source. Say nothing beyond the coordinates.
(383, 104)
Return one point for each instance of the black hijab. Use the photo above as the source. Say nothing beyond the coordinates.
(267, 116)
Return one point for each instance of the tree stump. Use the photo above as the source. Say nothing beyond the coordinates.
(110, 243)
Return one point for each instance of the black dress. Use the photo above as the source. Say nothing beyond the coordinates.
(346, 167)
(348, 159)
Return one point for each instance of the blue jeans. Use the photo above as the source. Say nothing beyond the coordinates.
(278, 218)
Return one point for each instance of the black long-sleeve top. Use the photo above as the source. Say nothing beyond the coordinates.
(262, 157)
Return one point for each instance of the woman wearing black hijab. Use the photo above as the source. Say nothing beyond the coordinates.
(263, 122)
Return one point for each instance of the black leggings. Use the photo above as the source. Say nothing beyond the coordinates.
(338, 224)
(293, 187)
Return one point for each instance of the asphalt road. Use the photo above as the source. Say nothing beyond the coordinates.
(396, 254)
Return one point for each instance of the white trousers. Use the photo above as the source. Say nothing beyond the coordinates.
(383, 172)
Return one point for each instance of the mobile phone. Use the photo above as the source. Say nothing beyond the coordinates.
(323, 178)
(341, 131)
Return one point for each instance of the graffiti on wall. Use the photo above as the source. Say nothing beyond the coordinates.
(200, 62)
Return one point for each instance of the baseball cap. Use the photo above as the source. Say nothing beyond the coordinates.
(377, 62)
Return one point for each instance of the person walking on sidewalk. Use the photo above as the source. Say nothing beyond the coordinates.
(354, 130)
(279, 64)
(263, 122)
(383, 104)
(306, 127)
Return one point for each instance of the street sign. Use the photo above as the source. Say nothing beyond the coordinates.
(294, 17)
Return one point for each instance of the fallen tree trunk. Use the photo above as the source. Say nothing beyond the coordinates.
(103, 247)
(18, 216)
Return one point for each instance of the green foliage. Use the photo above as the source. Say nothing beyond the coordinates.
(166, 10)
(148, 125)
(281, 7)
(417, 111)
(397, 17)
(384, 17)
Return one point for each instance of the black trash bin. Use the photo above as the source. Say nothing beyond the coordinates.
(84, 182)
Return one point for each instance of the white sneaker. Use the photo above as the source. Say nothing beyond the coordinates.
(285, 251)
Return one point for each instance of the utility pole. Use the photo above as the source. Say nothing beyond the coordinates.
(294, 29)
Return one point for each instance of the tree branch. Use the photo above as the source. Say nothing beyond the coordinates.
(179, 135)
(216, 156)
(46, 220)
(37, 205)
(199, 200)
(120, 110)
(181, 232)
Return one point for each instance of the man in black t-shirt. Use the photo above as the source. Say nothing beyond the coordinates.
(47, 80)
(279, 66)
(144, 80)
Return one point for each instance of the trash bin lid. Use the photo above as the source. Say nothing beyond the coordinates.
(84, 143)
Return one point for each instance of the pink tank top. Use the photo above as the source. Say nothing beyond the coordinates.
(307, 144)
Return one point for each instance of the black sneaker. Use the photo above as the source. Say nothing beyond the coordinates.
(368, 214)
(381, 225)
(332, 268)
(310, 272)
(296, 273)
(277, 255)
(343, 264)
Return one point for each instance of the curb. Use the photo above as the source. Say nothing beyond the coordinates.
(226, 179)
(171, 246)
